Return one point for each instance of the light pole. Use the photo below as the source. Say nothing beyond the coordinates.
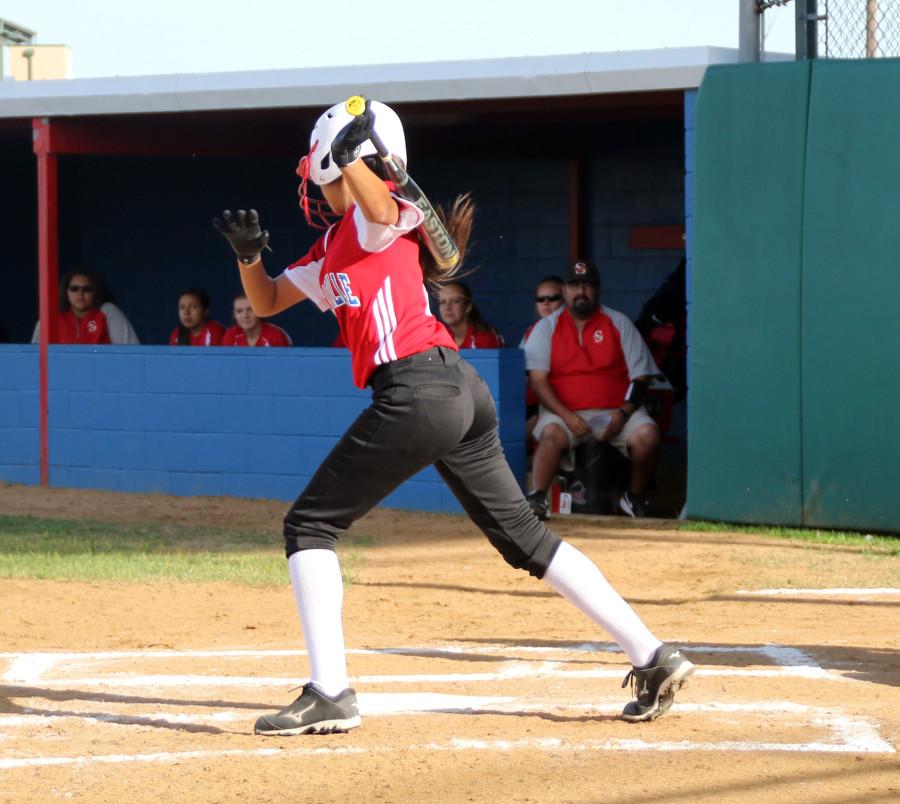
(28, 54)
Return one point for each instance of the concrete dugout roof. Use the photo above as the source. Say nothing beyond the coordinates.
(527, 77)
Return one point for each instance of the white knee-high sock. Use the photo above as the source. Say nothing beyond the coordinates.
(578, 580)
(319, 592)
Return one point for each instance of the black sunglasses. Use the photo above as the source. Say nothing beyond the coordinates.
(552, 297)
(85, 288)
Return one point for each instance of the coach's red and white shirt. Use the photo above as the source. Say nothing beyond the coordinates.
(269, 335)
(593, 368)
(369, 276)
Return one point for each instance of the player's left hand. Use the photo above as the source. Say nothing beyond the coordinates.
(348, 142)
(243, 233)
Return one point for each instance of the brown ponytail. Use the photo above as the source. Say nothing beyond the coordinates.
(459, 223)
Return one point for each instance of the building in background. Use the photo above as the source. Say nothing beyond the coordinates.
(23, 60)
(38, 62)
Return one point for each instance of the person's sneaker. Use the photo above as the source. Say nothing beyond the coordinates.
(655, 685)
(537, 502)
(634, 505)
(313, 713)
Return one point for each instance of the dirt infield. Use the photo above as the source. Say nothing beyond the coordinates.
(476, 682)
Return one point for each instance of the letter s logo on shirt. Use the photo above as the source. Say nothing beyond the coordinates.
(598, 336)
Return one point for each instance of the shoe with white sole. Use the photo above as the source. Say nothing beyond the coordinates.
(655, 685)
(313, 713)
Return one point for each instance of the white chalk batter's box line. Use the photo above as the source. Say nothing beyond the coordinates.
(858, 593)
(848, 734)
(32, 668)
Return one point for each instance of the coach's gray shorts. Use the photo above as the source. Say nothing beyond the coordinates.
(620, 441)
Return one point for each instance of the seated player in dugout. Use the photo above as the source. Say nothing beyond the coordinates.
(429, 408)
(463, 320)
(251, 330)
(195, 327)
(583, 360)
(88, 312)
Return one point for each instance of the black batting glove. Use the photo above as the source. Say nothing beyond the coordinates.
(345, 147)
(243, 233)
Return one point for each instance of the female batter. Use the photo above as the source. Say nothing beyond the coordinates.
(428, 407)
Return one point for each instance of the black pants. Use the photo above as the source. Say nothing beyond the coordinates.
(430, 408)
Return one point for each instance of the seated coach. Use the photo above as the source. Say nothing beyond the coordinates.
(584, 360)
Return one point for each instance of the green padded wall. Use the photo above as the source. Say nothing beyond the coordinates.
(744, 449)
(851, 297)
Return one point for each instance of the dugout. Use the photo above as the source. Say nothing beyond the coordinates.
(573, 155)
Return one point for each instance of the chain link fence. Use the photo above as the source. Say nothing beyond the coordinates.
(859, 29)
(847, 29)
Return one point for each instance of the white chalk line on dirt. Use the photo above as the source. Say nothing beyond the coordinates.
(30, 668)
(861, 593)
(851, 735)
(381, 704)
(513, 673)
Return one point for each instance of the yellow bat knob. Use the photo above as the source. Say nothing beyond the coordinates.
(355, 105)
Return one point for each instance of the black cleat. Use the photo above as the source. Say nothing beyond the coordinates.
(537, 502)
(313, 713)
(634, 505)
(655, 685)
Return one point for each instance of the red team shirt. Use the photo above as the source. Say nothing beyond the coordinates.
(269, 335)
(210, 335)
(595, 374)
(92, 328)
(489, 339)
(595, 369)
(369, 276)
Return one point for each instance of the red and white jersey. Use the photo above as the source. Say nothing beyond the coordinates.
(488, 339)
(210, 335)
(591, 368)
(369, 276)
(269, 335)
(91, 328)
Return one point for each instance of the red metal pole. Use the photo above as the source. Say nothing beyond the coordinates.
(48, 271)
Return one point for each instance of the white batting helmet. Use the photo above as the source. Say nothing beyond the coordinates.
(322, 169)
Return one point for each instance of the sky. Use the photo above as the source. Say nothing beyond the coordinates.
(116, 37)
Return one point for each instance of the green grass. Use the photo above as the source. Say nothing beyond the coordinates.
(62, 549)
(869, 543)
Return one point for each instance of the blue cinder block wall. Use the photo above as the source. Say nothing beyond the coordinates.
(19, 415)
(224, 421)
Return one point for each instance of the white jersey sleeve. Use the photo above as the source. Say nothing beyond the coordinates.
(120, 329)
(306, 278)
(537, 347)
(375, 237)
(637, 356)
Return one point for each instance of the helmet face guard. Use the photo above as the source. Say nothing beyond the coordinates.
(316, 210)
